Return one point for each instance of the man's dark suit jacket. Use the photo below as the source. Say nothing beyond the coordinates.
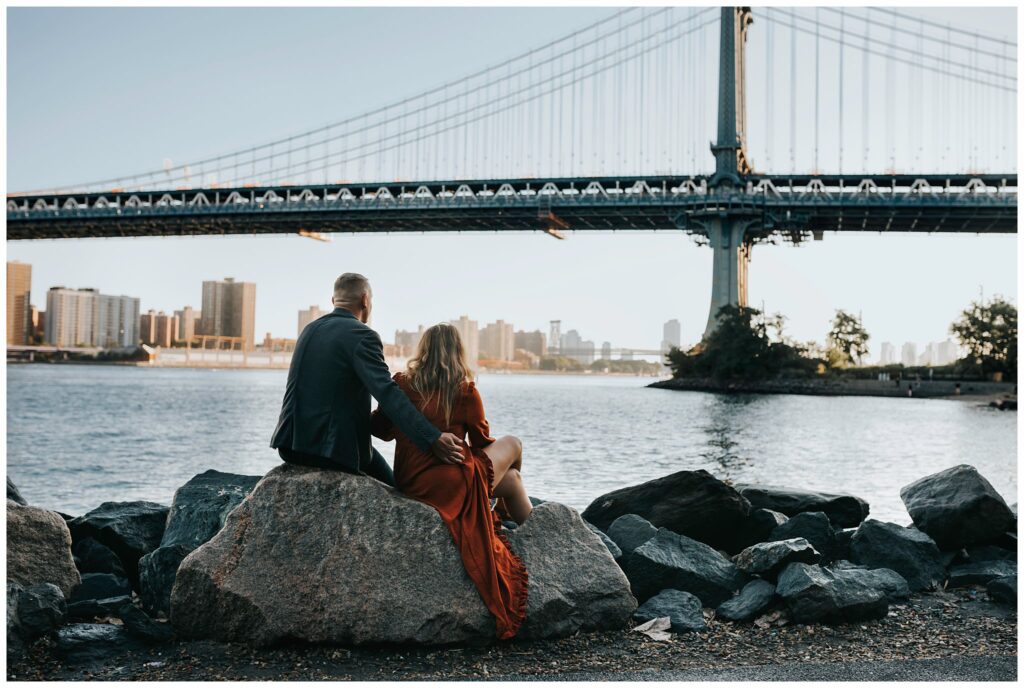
(337, 364)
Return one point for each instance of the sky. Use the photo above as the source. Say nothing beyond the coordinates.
(94, 93)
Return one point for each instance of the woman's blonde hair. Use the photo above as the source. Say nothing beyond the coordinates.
(439, 367)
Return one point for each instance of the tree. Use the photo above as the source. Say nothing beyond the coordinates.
(847, 340)
(989, 333)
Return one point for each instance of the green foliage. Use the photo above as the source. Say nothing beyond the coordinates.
(560, 363)
(847, 340)
(989, 333)
(636, 367)
(740, 348)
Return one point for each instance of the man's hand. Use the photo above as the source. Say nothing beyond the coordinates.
(448, 448)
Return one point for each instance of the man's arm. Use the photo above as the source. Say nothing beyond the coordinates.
(369, 365)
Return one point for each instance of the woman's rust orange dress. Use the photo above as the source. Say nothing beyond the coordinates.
(461, 493)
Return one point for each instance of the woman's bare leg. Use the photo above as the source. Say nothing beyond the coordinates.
(506, 455)
(512, 491)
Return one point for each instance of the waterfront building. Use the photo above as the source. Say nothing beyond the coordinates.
(309, 315)
(229, 310)
(84, 317)
(470, 335)
(38, 325)
(497, 341)
(158, 329)
(586, 356)
(407, 342)
(555, 336)
(534, 342)
(575, 347)
(271, 343)
(526, 358)
(947, 352)
(19, 296)
(671, 335)
(116, 321)
(888, 354)
(606, 351)
(908, 355)
(188, 324)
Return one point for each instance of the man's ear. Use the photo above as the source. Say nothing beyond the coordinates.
(366, 301)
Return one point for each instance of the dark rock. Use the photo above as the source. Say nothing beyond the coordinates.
(130, 529)
(843, 538)
(536, 501)
(93, 557)
(300, 522)
(813, 593)
(766, 559)
(843, 511)
(140, 626)
(754, 598)
(1003, 590)
(13, 494)
(630, 531)
(99, 586)
(761, 523)
(201, 505)
(691, 503)
(957, 507)
(91, 609)
(987, 553)
(683, 610)
(512, 525)
(980, 573)
(886, 580)
(40, 610)
(907, 551)
(670, 560)
(39, 548)
(157, 571)
(15, 643)
(91, 644)
(811, 526)
(949, 558)
(613, 549)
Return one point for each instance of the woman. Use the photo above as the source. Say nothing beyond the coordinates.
(438, 381)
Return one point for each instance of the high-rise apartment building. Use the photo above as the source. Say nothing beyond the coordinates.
(84, 317)
(497, 341)
(309, 315)
(19, 296)
(408, 342)
(606, 351)
(158, 329)
(38, 324)
(555, 336)
(908, 355)
(188, 324)
(534, 342)
(229, 310)
(888, 355)
(947, 352)
(116, 321)
(470, 335)
(671, 335)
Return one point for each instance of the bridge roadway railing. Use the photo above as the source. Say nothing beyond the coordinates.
(941, 202)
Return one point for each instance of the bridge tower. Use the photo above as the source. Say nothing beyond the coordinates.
(726, 227)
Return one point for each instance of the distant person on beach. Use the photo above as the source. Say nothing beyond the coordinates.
(337, 365)
(440, 384)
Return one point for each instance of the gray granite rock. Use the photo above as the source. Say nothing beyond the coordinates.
(981, 572)
(299, 523)
(761, 523)
(683, 610)
(630, 531)
(13, 494)
(907, 551)
(39, 548)
(957, 507)
(811, 526)
(892, 584)
(766, 559)
(813, 594)
(670, 560)
(613, 548)
(752, 600)
(843, 510)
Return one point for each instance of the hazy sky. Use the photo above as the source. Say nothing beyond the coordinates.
(97, 93)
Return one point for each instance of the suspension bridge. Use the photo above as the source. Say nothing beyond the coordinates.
(607, 129)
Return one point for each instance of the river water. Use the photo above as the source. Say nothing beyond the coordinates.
(81, 435)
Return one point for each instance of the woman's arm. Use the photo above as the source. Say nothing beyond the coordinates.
(381, 426)
(476, 422)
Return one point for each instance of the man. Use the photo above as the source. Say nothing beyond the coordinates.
(337, 365)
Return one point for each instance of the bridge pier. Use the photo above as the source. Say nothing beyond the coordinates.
(731, 258)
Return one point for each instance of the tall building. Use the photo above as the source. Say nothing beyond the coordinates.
(19, 296)
(606, 351)
(575, 347)
(555, 336)
(947, 352)
(116, 321)
(888, 355)
(69, 316)
(470, 335)
(158, 329)
(671, 335)
(38, 324)
(908, 355)
(586, 356)
(534, 342)
(188, 324)
(497, 341)
(407, 342)
(309, 315)
(229, 310)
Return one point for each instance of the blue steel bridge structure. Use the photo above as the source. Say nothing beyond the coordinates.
(635, 92)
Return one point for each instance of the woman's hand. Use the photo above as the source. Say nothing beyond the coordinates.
(448, 448)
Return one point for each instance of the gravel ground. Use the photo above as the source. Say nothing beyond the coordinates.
(955, 626)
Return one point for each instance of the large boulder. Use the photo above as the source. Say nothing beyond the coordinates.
(15, 641)
(630, 531)
(907, 551)
(980, 573)
(844, 511)
(40, 610)
(888, 581)
(1003, 590)
(670, 560)
(761, 523)
(613, 549)
(813, 593)
(691, 503)
(92, 644)
(39, 548)
(99, 586)
(197, 513)
(812, 526)
(683, 610)
(754, 598)
(958, 507)
(13, 494)
(94, 557)
(130, 529)
(352, 561)
(140, 626)
(766, 559)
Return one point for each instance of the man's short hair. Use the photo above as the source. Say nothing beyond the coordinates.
(350, 287)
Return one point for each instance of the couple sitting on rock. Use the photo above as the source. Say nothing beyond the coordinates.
(429, 411)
